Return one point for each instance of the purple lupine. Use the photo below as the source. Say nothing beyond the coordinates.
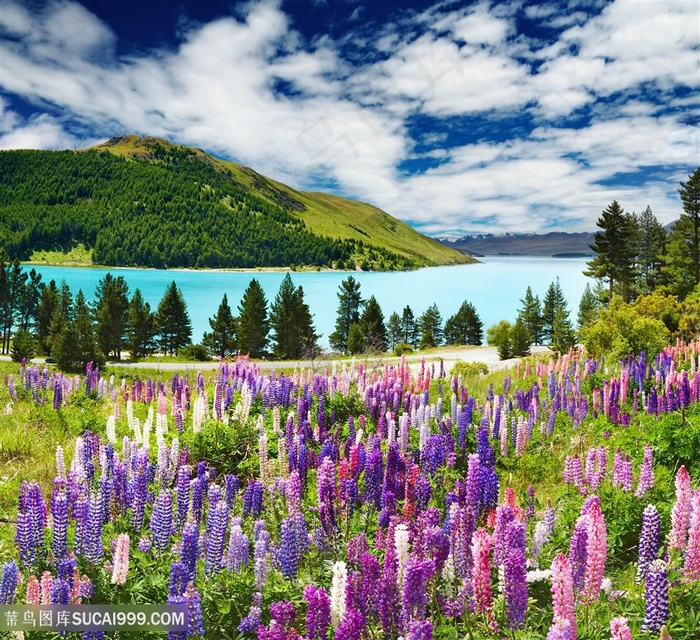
(161, 523)
(325, 481)
(138, 491)
(188, 549)
(9, 579)
(288, 549)
(414, 595)
(197, 485)
(60, 592)
(420, 630)
(59, 511)
(351, 626)
(217, 524)
(232, 485)
(504, 516)
(195, 623)
(23, 540)
(183, 494)
(253, 499)
(293, 493)
(578, 553)
(282, 612)
(92, 543)
(648, 541)
(179, 577)
(318, 614)
(260, 560)
(516, 575)
(238, 547)
(251, 622)
(656, 594)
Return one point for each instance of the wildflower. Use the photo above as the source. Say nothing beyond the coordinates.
(318, 614)
(340, 577)
(691, 568)
(646, 473)
(9, 579)
(121, 559)
(648, 541)
(656, 597)
(515, 575)
(619, 629)
(481, 548)
(680, 517)
(563, 592)
(596, 552)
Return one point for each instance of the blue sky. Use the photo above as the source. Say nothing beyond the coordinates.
(453, 116)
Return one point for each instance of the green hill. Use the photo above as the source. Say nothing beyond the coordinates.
(147, 202)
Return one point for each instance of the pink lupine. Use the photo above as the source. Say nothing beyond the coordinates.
(596, 552)
(646, 473)
(691, 568)
(121, 559)
(619, 629)
(563, 592)
(481, 549)
(33, 590)
(680, 518)
(46, 587)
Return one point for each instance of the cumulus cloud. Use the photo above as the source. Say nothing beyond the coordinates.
(251, 88)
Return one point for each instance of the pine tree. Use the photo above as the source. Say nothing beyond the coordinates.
(563, 335)
(588, 307)
(23, 346)
(409, 327)
(499, 336)
(372, 326)
(76, 343)
(173, 321)
(356, 339)
(291, 322)
(221, 340)
(253, 323)
(465, 326)
(531, 313)
(650, 250)
(430, 326)
(682, 261)
(29, 305)
(394, 330)
(348, 312)
(48, 303)
(616, 248)
(520, 339)
(12, 284)
(111, 310)
(553, 301)
(141, 327)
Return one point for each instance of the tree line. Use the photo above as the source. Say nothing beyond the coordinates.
(167, 209)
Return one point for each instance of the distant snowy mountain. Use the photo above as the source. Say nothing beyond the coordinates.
(556, 244)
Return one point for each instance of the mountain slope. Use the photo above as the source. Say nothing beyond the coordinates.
(147, 202)
(556, 244)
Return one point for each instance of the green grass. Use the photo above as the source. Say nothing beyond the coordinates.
(77, 256)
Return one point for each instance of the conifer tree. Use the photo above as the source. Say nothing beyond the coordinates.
(465, 326)
(531, 313)
(291, 322)
(141, 327)
(173, 321)
(111, 310)
(48, 303)
(221, 340)
(520, 339)
(253, 323)
(394, 330)
(76, 343)
(356, 339)
(348, 312)
(372, 326)
(409, 327)
(588, 307)
(563, 335)
(430, 326)
(650, 250)
(682, 261)
(553, 301)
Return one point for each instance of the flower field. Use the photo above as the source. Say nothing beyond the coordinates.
(560, 500)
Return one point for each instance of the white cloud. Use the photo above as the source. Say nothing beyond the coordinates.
(353, 125)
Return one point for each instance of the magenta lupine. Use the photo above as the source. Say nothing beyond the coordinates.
(680, 518)
(646, 473)
(318, 614)
(691, 567)
(481, 578)
(596, 552)
(515, 575)
(563, 592)
(619, 630)
(120, 562)
(656, 613)
(351, 626)
(325, 480)
(420, 630)
(648, 541)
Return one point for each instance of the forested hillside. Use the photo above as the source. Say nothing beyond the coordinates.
(168, 206)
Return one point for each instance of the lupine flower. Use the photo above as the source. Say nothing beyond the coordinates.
(680, 518)
(560, 630)
(420, 630)
(691, 568)
(178, 579)
(121, 559)
(9, 579)
(648, 541)
(195, 625)
(33, 590)
(563, 592)
(481, 549)
(578, 553)
(656, 597)
(646, 473)
(619, 629)
(252, 620)
(288, 548)
(414, 596)
(515, 575)
(351, 626)
(188, 549)
(596, 552)
(318, 614)
(340, 578)
(217, 523)
(162, 520)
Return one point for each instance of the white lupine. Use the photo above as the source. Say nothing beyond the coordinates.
(136, 428)
(111, 430)
(198, 413)
(161, 425)
(403, 431)
(276, 420)
(130, 413)
(60, 463)
(401, 544)
(390, 427)
(340, 578)
(448, 575)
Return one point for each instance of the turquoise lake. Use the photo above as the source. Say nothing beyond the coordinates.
(494, 286)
